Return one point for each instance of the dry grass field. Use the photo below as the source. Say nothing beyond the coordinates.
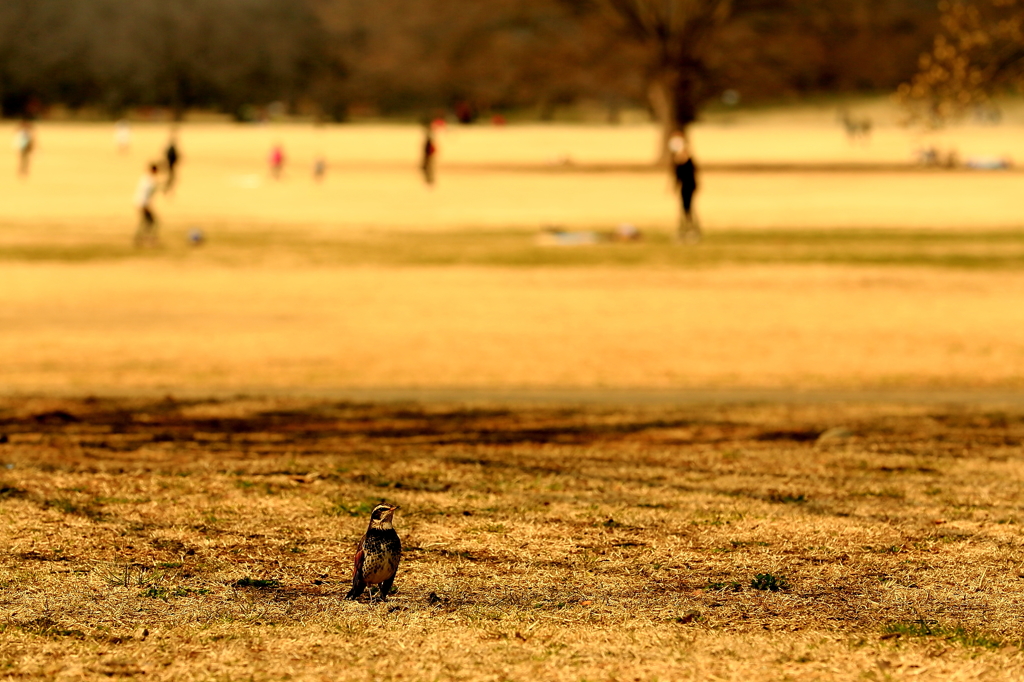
(813, 277)
(511, 178)
(210, 540)
(187, 326)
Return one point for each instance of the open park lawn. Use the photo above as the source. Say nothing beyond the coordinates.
(211, 540)
(826, 263)
(206, 536)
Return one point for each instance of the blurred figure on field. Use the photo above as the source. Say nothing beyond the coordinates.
(276, 161)
(24, 142)
(123, 135)
(146, 233)
(429, 154)
(171, 159)
(319, 168)
(686, 183)
(856, 128)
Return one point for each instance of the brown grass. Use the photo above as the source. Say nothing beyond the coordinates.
(560, 544)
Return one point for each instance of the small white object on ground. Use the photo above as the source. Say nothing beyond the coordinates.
(558, 237)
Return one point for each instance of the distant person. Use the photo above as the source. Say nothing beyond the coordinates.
(146, 234)
(686, 183)
(429, 155)
(24, 142)
(123, 136)
(856, 128)
(319, 168)
(276, 161)
(171, 159)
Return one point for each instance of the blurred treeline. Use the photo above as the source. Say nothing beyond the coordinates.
(400, 57)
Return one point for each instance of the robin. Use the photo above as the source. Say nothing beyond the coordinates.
(378, 554)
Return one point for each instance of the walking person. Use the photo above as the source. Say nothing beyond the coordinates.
(171, 158)
(24, 142)
(276, 161)
(146, 232)
(686, 183)
(429, 154)
(123, 135)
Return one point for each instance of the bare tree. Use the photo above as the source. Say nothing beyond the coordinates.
(406, 57)
(693, 50)
(688, 45)
(978, 54)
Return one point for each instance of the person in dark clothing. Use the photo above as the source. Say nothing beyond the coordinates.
(429, 152)
(171, 157)
(686, 183)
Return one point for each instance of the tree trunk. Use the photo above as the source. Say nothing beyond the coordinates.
(662, 100)
(673, 99)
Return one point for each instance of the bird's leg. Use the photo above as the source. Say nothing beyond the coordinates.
(385, 588)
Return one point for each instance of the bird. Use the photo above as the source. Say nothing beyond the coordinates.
(378, 554)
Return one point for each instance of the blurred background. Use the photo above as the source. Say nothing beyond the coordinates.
(346, 195)
(336, 60)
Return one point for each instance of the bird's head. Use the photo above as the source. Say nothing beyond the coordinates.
(382, 515)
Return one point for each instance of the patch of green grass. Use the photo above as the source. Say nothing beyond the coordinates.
(519, 248)
(957, 634)
(259, 583)
(78, 253)
(341, 507)
(165, 594)
(769, 582)
(156, 592)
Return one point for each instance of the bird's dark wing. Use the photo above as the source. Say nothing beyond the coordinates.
(360, 555)
(357, 574)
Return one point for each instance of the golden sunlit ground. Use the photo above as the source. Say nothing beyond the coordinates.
(185, 325)
(206, 536)
(211, 540)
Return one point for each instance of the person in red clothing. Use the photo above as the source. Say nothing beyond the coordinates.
(276, 161)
